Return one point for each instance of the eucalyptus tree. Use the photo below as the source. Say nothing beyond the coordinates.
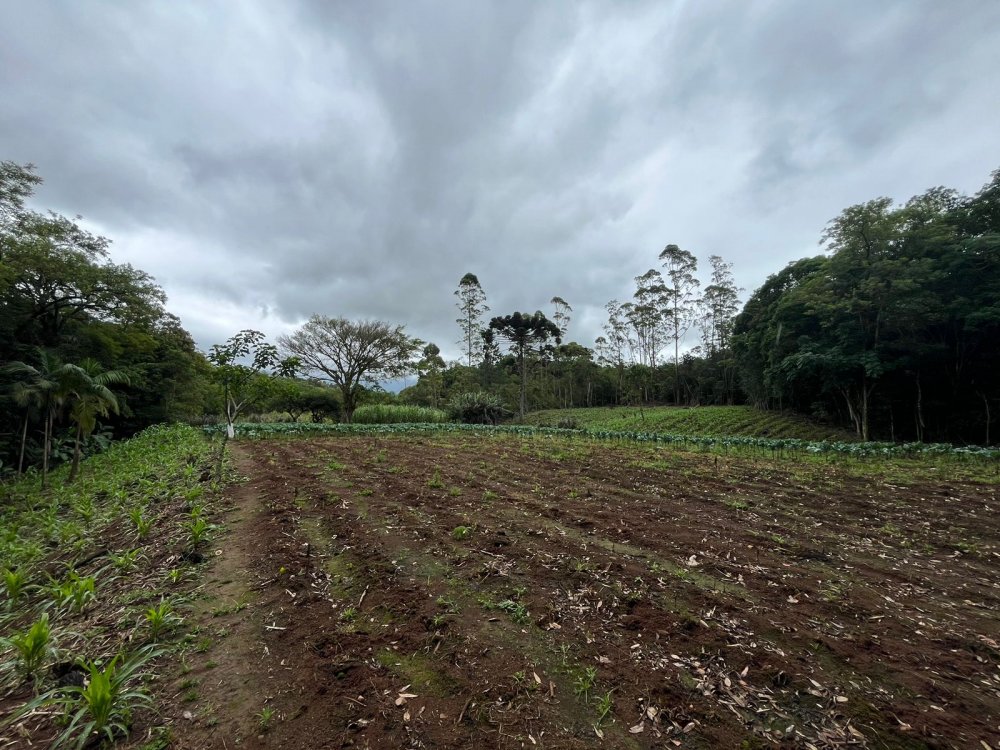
(351, 354)
(561, 315)
(720, 301)
(617, 347)
(682, 288)
(647, 315)
(523, 332)
(472, 305)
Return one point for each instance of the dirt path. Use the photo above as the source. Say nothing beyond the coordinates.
(497, 592)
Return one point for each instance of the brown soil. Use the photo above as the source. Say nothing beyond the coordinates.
(461, 592)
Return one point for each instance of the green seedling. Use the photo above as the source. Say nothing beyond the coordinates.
(15, 584)
(264, 718)
(198, 530)
(604, 706)
(435, 481)
(159, 618)
(143, 524)
(584, 683)
(102, 708)
(75, 593)
(126, 561)
(517, 611)
(32, 647)
(460, 532)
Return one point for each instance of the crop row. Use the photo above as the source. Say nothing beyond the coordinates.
(775, 445)
(81, 568)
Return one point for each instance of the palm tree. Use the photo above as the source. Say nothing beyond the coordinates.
(29, 397)
(90, 398)
(46, 387)
(52, 384)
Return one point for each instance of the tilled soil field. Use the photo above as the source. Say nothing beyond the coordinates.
(465, 592)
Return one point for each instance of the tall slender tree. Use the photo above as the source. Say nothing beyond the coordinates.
(561, 315)
(718, 306)
(472, 304)
(682, 287)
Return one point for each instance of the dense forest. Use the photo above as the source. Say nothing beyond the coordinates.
(893, 330)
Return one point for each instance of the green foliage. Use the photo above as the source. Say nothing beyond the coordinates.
(516, 610)
(74, 593)
(351, 354)
(715, 421)
(15, 584)
(460, 532)
(895, 332)
(102, 708)
(396, 414)
(524, 333)
(264, 718)
(772, 446)
(198, 529)
(159, 618)
(240, 367)
(583, 683)
(32, 647)
(477, 407)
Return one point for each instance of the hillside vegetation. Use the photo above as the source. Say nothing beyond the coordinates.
(713, 421)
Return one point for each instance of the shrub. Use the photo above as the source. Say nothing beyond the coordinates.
(397, 414)
(477, 407)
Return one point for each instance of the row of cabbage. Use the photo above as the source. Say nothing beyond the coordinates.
(774, 445)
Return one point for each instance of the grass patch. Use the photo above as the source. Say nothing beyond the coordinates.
(397, 414)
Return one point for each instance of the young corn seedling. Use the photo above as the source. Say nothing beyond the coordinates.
(33, 647)
(126, 561)
(584, 683)
(102, 708)
(198, 530)
(143, 524)
(159, 619)
(15, 584)
(75, 593)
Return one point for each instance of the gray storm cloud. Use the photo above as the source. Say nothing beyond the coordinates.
(270, 160)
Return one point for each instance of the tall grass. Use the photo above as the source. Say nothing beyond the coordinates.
(397, 414)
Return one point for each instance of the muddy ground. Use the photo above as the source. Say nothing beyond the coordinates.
(499, 592)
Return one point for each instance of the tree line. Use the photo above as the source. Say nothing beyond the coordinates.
(893, 330)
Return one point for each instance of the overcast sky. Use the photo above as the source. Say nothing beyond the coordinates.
(269, 160)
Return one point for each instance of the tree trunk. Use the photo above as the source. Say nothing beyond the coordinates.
(75, 469)
(524, 383)
(986, 404)
(24, 439)
(46, 446)
(349, 403)
(920, 412)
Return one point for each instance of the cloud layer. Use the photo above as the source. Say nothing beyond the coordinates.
(265, 161)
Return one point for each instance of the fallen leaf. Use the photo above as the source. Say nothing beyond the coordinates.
(638, 728)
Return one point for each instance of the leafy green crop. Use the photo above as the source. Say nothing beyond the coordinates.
(775, 446)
